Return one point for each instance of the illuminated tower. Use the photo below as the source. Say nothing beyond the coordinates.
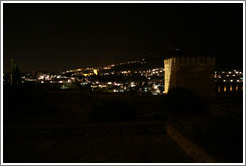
(190, 72)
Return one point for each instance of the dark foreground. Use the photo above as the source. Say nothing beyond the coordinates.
(74, 126)
(107, 149)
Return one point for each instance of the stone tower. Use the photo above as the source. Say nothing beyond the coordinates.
(191, 72)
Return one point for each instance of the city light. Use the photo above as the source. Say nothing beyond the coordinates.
(157, 79)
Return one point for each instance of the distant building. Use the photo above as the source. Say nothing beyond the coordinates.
(15, 74)
(95, 71)
(191, 72)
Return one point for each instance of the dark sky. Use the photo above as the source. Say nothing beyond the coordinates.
(56, 37)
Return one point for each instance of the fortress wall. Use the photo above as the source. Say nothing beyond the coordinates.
(169, 67)
(193, 73)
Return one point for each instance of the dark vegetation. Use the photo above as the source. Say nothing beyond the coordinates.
(30, 102)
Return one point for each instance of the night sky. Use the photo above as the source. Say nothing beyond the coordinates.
(57, 37)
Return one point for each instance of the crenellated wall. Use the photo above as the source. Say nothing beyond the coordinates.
(193, 73)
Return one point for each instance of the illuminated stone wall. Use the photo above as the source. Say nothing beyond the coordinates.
(169, 65)
(193, 73)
